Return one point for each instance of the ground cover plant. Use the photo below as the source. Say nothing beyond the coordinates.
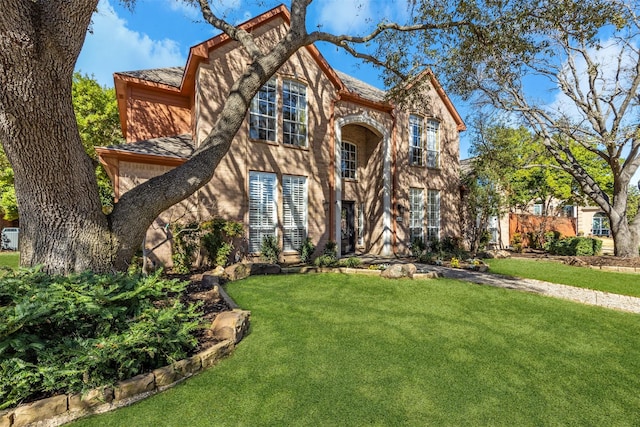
(66, 334)
(332, 349)
(555, 272)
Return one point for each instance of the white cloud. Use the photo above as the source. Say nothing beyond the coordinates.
(111, 46)
(190, 10)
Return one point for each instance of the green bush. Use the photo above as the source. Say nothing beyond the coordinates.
(331, 249)
(351, 262)
(217, 239)
(417, 247)
(67, 334)
(185, 243)
(325, 261)
(306, 251)
(575, 246)
(270, 250)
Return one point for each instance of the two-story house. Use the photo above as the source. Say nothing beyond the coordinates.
(321, 155)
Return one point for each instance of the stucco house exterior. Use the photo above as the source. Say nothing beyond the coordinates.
(321, 155)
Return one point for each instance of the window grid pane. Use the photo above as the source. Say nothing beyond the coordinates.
(433, 215)
(433, 144)
(294, 218)
(415, 141)
(349, 160)
(262, 208)
(416, 214)
(294, 113)
(262, 117)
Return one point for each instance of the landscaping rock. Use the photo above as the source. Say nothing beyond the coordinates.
(40, 410)
(231, 325)
(211, 356)
(260, 269)
(166, 375)
(6, 418)
(188, 366)
(497, 254)
(95, 397)
(210, 280)
(397, 271)
(238, 271)
(575, 261)
(136, 385)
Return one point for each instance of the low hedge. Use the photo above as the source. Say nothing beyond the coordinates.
(574, 246)
(68, 334)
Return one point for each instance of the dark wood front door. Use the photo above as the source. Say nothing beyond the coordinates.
(347, 228)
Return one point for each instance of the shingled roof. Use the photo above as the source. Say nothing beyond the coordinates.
(179, 146)
(171, 76)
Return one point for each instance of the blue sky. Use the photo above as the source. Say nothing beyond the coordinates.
(159, 33)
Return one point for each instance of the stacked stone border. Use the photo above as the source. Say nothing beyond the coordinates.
(228, 326)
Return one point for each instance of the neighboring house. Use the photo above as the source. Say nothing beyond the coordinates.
(550, 215)
(321, 154)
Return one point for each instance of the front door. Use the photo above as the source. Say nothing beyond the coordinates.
(347, 228)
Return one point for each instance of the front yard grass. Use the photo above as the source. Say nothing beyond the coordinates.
(10, 259)
(331, 349)
(555, 272)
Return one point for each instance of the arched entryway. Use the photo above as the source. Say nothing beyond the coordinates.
(362, 186)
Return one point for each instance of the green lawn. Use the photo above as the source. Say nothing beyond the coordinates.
(549, 271)
(348, 350)
(10, 259)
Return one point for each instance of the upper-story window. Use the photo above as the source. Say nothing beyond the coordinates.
(262, 117)
(349, 160)
(538, 208)
(416, 156)
(294, 113)
(433, 143)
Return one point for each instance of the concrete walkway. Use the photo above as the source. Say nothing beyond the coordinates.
(585, 296)
(572, 293)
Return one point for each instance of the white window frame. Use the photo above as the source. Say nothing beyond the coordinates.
(294, 113)
(349, 160)
(263, 115)
(416, 143)
(433, 215)
(294, 212)
(433, 144)
(416, 214)
(538, 208)
(361, 224)
(263, 208)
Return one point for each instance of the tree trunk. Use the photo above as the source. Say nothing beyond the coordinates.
(626, 237)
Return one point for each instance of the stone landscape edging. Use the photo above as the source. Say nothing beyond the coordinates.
(61, 409)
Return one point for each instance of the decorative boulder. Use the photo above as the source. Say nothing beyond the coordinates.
(396, 271)
(231, 325)
(238, 271)
(497, 254)
(261, 269)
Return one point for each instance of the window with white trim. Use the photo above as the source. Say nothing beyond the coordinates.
(294, 113)
(294, 211)
(263, 113)
(263, 213)
(416, 155)
(433, 215)
(433, 143)
(349, 160)
(538, 208)
(416, 214)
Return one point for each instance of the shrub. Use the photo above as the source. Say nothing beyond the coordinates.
(351, 262)
(597, 246)
(270, 250)
(306, 251)
(218, 239)
(331, 249)
(67, 334)
(516, 242)
(575, 246)
(185, 244)
(417, 247)
(325, 261)
(455, 262)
